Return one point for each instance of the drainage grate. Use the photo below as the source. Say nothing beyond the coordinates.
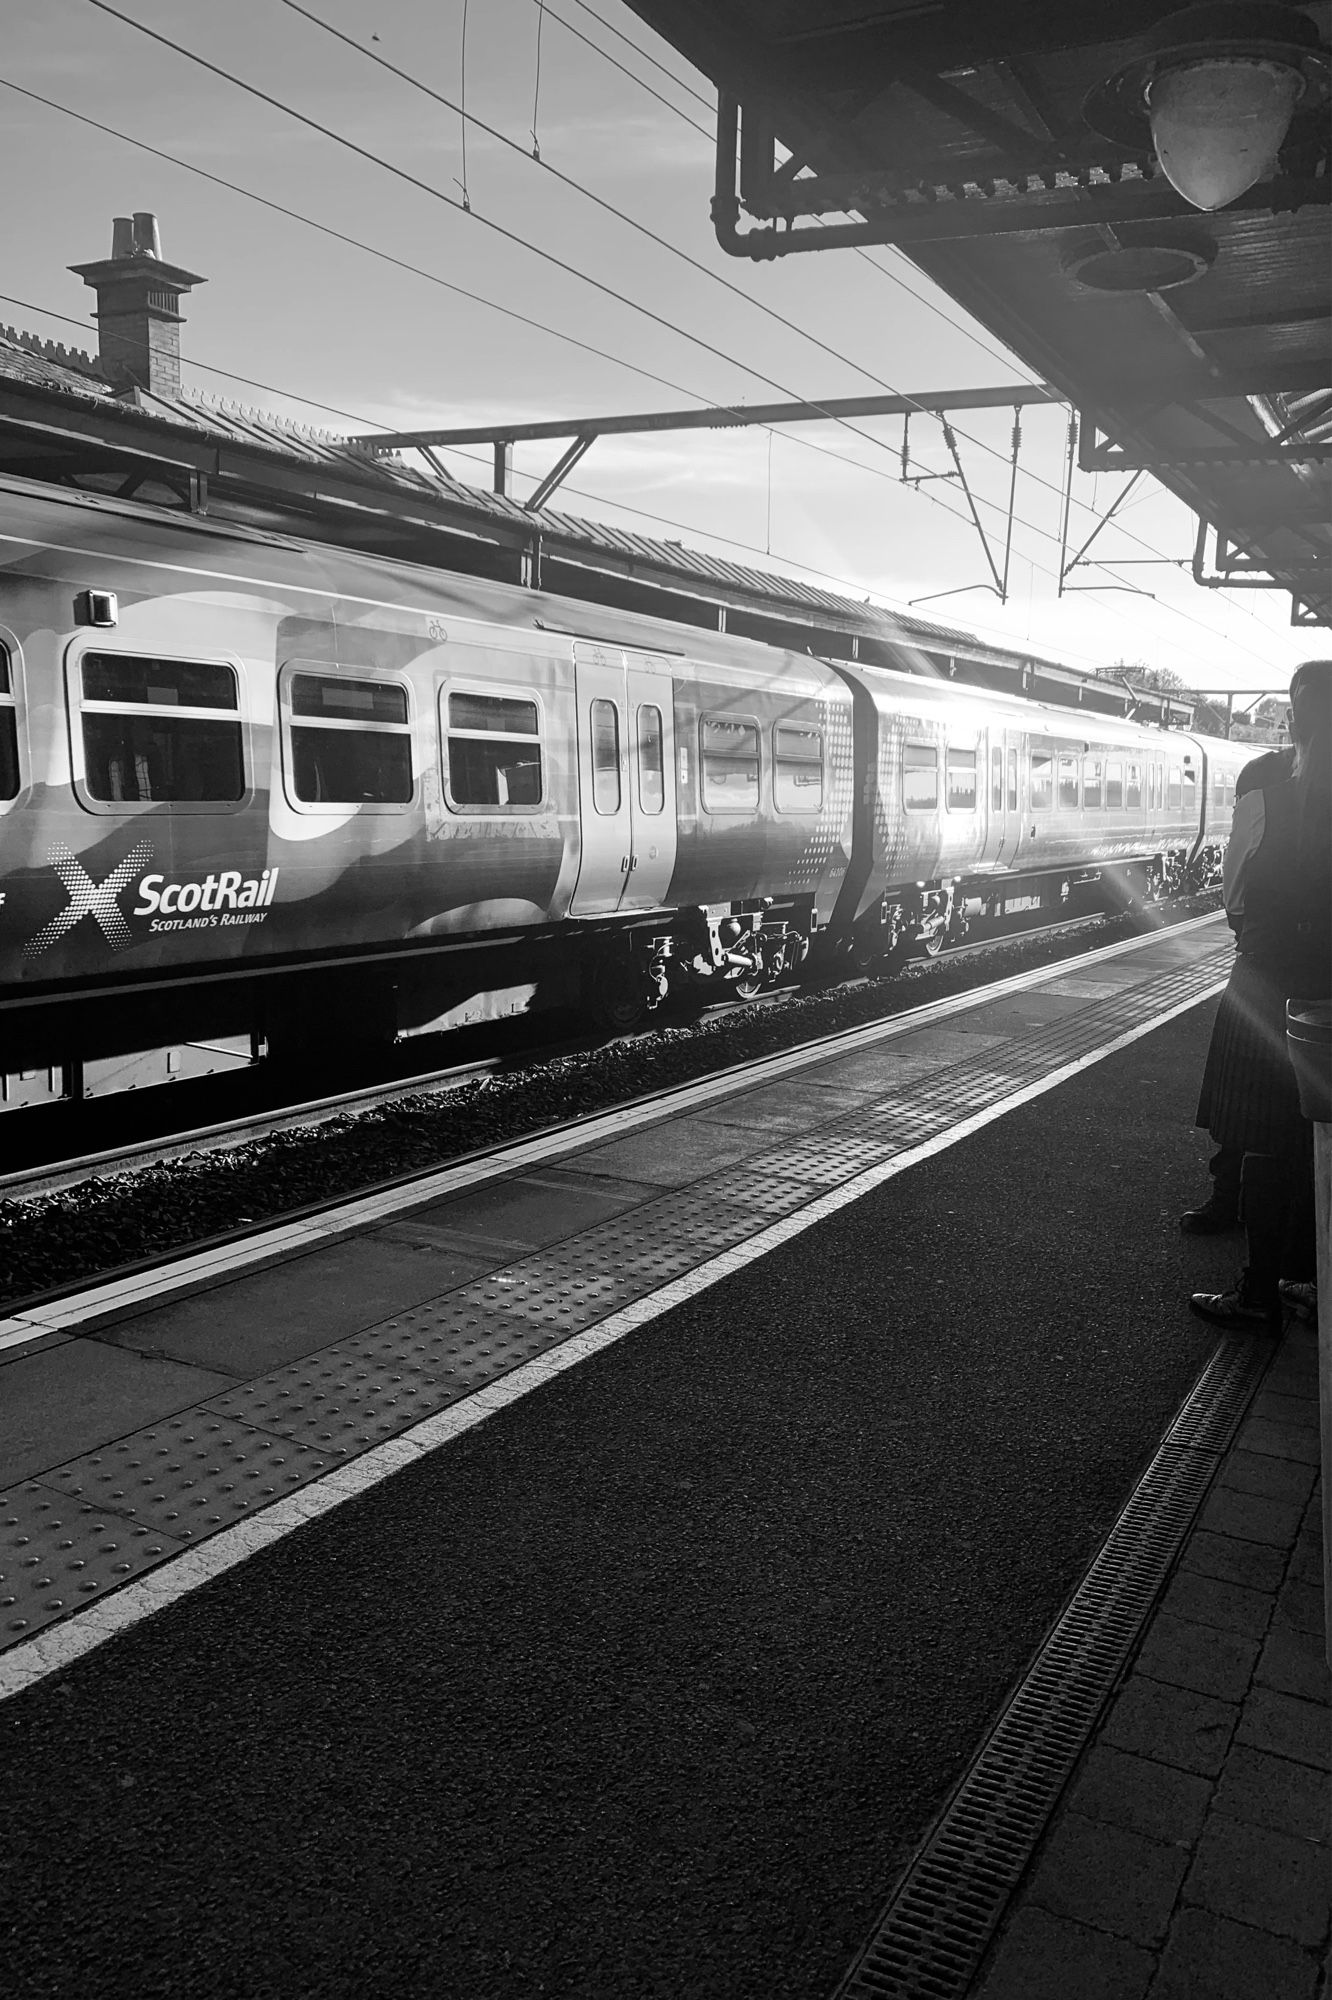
(1210, 1414)
(948, 1905)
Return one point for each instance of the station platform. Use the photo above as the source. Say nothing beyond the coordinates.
(595, 1577)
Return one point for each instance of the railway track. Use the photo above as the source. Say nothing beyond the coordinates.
(50, 1177)
(128, 1214)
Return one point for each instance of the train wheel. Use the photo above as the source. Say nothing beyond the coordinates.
(615, 993)
(933, 942)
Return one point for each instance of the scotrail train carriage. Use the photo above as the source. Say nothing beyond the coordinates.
(251, 784)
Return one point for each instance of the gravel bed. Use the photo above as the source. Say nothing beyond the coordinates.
(54, 1242)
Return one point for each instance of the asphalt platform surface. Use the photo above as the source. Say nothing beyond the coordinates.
(650, 1684)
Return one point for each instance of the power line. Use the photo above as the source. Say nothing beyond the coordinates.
(512, 236)
(643, 229)
(968, 333)
(550, 14)
(598, 499)
(599, 201)
(415, 270)
(638, 50)
(353, 242)
(400, 173)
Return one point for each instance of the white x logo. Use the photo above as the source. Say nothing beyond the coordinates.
(90, 899)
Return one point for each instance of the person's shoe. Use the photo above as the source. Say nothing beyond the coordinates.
(1240, 1310)
(1301, 1298)
(1214, 1218)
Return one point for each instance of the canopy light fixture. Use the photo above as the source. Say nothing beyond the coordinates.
(1214, 91)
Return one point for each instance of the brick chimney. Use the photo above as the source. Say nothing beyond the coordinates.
(137, 294)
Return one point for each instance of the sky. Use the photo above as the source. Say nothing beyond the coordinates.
(528, 300)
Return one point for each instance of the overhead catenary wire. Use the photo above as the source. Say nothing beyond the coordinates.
(634, 305)
(901, 606)
(639, 50)
(643, 84)
(709, 133)
(438, 194)
(598, 499)
(609, 207)
(510, 235)
(399, 263)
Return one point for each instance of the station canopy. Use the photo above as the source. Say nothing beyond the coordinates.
(1017, 151)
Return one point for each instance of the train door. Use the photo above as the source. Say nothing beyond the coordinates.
(601, 695)
(626, 789)
(1005, 821)
(651, 712)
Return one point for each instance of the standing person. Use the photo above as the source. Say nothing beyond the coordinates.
(1278, 890)
(1220, 1213)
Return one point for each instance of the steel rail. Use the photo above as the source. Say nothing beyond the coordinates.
(503, 1156)
(27, 1183)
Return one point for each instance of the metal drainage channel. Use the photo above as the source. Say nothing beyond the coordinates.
(932, 1937)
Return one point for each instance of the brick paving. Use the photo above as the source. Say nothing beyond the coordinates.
(1190, 1858)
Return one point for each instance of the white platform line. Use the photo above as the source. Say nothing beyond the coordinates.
(45, 1653)
(117, 1297)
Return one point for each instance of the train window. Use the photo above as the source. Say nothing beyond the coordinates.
(797, 768)
(1190, 792)
(651, 760)
(494, 751)
(160, 731)
(1114, 785)
(1012, 781)
(961, 771)
(920, 777)
(350, 742)
(1091, 783)
(1133, 787)
(1042, 779)
(606, 756)
(996, 781)
(9, 766)
(1175, 795)
(1068, 782)
(730, 764)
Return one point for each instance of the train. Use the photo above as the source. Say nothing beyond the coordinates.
(251, 784)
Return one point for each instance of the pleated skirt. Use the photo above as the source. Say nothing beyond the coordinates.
(1250, 1099)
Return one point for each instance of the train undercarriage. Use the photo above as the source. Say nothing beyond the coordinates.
(618, 975)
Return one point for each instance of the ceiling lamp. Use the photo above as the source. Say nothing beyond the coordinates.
(1213, 92)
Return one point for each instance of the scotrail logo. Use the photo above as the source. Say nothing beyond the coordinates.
(91, 899)
(218, 901)
(228, 891)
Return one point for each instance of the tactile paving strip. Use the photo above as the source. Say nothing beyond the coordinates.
(189, 1476)
(937, 1928)
(102, 1519)
(339, 1401)
(57, 1555)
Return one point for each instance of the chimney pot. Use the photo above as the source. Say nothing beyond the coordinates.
(147, 236)
(122, 237)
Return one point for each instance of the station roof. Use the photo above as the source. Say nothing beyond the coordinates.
(63, 422)
(1194, 344)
